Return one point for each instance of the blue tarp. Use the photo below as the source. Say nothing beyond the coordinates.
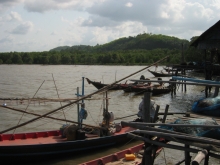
(207, 106)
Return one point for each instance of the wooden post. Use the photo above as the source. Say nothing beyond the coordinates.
(147, 158)
(207, 159)
(165, 113)
(187, 155)
(78, 120)
(216, 88)
(182, 55)
(185, 81)
(146, 113)
(156, 114)
(199, 157)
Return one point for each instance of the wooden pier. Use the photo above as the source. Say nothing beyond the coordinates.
(202, 146)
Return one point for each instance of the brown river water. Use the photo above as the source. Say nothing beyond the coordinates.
(61, 81)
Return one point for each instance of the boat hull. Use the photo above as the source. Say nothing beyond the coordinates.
(100, 85)
(154, 90)
(51, 144)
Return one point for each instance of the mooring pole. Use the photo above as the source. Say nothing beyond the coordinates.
(147, 157)
(187, 156)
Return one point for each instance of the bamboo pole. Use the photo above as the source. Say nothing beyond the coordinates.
(46, 99)
(58, 96)
(131, 135)
(82, 98)
(201, 145)
(178, 125)
(194, 138)
(28, 105)
(177, 82)
(49, 117)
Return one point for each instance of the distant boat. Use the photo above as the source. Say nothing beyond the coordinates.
(160, 74)
(169, 69)
(100, 85)
(154, 89)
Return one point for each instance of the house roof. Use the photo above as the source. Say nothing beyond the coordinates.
(209, 39)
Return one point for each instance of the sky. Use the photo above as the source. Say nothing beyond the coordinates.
(41, 25)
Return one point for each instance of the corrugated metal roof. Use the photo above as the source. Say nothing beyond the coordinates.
(204, 35)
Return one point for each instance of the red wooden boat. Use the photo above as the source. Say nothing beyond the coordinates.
(70, 139)
(116, 157)
(25, 147)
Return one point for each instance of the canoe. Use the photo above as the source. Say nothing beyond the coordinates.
(132, 155)
(100, 85)
(116, 156)
(33, 146)
(160, 74)
(154, 89)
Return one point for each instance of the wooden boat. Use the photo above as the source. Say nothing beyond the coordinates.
(100, 85)
(132, 155)
(25, 147)
(69, 139)
(116, 156)
(155, 89)
(169, 69)
(160, 74)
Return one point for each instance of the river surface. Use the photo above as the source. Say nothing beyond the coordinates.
(61, 81)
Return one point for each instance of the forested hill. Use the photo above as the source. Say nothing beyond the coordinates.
(142, 49)
(142, 41)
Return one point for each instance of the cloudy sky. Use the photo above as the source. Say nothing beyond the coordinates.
(40, 25)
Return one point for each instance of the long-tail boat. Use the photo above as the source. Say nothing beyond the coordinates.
(68, 139)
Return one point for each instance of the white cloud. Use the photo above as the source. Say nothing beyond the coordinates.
(23, 28)
(6, 4)
(8, 39)
(88, 22)
(129, 4)
(43, 6)
(15, 16)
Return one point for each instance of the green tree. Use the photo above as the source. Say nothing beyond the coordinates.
(16, 59)
(66, 59)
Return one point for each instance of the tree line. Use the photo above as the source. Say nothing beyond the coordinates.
(139, 50)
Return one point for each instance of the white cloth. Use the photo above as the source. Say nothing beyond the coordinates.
(141, 109)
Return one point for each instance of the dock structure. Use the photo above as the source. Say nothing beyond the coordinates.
(150, 133)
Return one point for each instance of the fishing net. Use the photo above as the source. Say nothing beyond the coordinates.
(196, 131)
(207, 106)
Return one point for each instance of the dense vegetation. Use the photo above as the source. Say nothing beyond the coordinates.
(139, 50)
